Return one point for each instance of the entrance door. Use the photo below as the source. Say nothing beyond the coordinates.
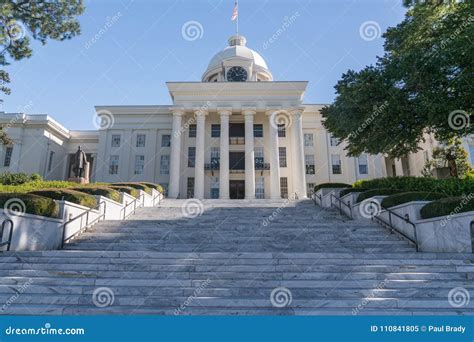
(237, 189)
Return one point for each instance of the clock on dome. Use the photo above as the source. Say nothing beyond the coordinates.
(237, 74)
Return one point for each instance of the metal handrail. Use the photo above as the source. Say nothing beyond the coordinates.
(318, 197)
(134, 202)
(154, 199)
(10, 234)
(88, 224)
(393, 229)
(341, 202)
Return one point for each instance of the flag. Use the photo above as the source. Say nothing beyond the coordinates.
(235, 12)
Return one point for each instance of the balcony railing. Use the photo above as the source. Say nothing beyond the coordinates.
(212, 166)
(237, 140)
(262, 166)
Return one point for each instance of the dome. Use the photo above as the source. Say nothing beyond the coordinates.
(237, 54)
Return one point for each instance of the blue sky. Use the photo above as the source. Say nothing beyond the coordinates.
(143, 47)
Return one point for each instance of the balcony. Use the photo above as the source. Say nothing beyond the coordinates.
(262, 166)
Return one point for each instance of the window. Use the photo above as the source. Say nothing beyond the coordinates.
(50, 161)
(190, 187)
(334, 141)
(215, 131)
(363, 164)
(165, 140)
(115, 140)
(284, 187)
(309, 162)
(139, 164)
(336, 164)
(310, 189)
(215, 158)
(141, 140)
(191, 156)
(308, 140)
(259, 187)
(281, 131)
(426, 156)
(258, 131)
(192, 131)
(259, 161)
(215, 187)
(165, 165)
(8, 156)
(113, 165)
(282, 153)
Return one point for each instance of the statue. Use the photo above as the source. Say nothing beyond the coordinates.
(80, 167)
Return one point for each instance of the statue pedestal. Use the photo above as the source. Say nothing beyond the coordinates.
(79, 180)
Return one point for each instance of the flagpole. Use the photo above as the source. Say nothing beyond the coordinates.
(237, 2)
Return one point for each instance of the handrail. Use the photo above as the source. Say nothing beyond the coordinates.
(154, 198)
(88, 224)
(341, 202)
(10, 234)
(134, 202)
(393, 229)
(318, 197)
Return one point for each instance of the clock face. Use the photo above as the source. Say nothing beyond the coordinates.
(237, 74)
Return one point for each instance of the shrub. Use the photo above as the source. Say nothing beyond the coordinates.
(449, 186)
(127, 189)
(100, 191)
(68, 195)
(135, 185)
(376, 192)
(36, 185)
(349, 190)
(331, 185)
(157, 187)
(448, 206)
(31, 204)
(406, 197)
(8, 178)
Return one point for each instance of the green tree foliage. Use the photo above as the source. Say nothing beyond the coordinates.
(424, 75)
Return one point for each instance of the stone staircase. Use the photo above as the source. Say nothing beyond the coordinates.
(236, 257)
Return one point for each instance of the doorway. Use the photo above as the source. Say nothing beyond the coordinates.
(237, 189)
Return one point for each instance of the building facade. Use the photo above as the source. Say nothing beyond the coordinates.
(236, 134)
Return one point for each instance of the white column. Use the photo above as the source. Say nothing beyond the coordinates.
(274, 156)
(175, 157)
(299, 174)
(200, 149)
(249, 154)
(224, 154)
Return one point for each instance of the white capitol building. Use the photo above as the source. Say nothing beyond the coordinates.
(236, 134)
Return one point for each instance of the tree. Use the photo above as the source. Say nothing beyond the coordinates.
(43, 20)
(451, 155)
(422, 83)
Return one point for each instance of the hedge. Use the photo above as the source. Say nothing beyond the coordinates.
(157, 187)
(127, 189)
(349, 190)
(68, 195)
(448, 206)
(406, 197)
(36, 185)
(8, 178)
(376, 192)
(449, 186)
(100, 191)
(331, 185)
(28, 203)
(135, 185)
